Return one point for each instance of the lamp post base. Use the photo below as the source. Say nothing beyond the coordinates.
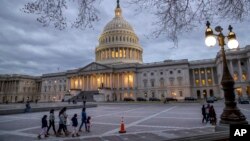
(232, 115)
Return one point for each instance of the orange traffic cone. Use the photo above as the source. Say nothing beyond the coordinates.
(122, 127)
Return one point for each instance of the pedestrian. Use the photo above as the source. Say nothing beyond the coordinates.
(84, 119)
(84, 98)
(88, 123)
(69, 101)
(27, 107)
(36, 101)
(203, 111)
(51, 121)
(74, 125)
(212, 115)
(44, 127)
(207, 112)
(62, 122)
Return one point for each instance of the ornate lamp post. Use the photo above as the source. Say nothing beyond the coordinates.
(231, 113)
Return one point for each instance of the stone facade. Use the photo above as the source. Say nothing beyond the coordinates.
(19, 88)
(119, 72)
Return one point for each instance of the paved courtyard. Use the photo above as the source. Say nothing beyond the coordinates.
(142, 121)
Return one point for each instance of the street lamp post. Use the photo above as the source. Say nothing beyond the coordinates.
(231, 113)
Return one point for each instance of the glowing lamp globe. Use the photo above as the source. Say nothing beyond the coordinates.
(233, 43)
(210, 41)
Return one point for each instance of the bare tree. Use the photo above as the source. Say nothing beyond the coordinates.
(52, 12)
(176, 16)
(173, 16)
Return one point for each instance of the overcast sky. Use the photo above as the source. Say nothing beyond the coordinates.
(26, 47)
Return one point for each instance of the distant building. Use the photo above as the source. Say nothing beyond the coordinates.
(119, 72)
(19, 88)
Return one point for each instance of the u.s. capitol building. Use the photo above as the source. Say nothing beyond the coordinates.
(119, 72)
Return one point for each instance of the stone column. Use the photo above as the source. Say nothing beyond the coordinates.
(87, 84)
(200, 83)
(127, 53)
(212, 72)
(240, 71)
(205, 71)
(110, 80)
(134, 80)
(194, 78)
(118, 78)
(83, 83)
(122, 82)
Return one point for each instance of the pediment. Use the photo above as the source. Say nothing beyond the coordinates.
(94, 67)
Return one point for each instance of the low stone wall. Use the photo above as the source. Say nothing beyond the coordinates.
(41, 109)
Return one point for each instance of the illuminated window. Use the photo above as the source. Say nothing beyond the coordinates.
(197, 82)
(196, 72)
(208, 71)
(116, 54)
(209, 81)
(124, 53)
(120, 54)
(113, 54)
(131, 81)
(203, 82)
(235, 76)
(202, 71)
(244, 76)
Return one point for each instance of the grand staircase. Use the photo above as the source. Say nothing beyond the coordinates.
(88, 94)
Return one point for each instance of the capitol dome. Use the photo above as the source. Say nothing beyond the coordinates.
(118, 42)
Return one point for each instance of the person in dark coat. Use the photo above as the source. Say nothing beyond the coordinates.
(27, 107)
(51, 121)
(62, 122)
(207, 113)
(84, 120)
(74, 125)
(44, 127)
(212, 116)
(203, 111)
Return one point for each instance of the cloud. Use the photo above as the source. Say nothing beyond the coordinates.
(26, 47)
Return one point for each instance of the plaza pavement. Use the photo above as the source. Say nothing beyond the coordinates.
(143, 122)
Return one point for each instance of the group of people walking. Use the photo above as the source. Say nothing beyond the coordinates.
(208, 114)
(64, 122)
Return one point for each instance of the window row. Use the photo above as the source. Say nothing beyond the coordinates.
(111, 39)
(55, 81)
(118, 53)
(161, 73)
(161, 82)
(60, 88)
